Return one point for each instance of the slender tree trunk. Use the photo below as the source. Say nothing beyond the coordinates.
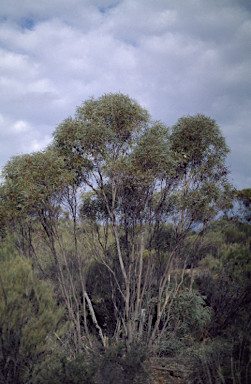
(94, 319)
(138, 301)
(191, 278)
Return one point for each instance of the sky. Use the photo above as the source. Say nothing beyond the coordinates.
(175, 58)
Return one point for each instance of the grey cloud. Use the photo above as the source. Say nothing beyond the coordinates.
(175, 58)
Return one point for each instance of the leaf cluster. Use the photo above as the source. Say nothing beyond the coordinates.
(28, 317)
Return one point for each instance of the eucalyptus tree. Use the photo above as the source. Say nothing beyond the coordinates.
(201, 191)
(31, 189)
(116, 151)
(141, 175)
(35, 188)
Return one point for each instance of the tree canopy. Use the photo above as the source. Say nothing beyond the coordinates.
(114, 212)
(143, 174)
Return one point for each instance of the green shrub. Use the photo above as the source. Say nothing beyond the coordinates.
(58, 369)
(207, 363)
(219, 361)
(188, 315)
(119, 365)
(116, 365)
(28, 316)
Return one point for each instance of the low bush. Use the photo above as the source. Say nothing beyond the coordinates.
(120, 365)
(61, 370)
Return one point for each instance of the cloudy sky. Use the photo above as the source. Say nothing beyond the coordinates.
(174, 57)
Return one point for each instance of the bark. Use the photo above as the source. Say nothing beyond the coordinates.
(94, 319)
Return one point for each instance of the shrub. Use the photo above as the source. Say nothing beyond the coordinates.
(28, 315)
(188, 315)
(119, 365)
(58, 369)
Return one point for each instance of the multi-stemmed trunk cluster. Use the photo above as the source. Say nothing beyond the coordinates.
(139, 175)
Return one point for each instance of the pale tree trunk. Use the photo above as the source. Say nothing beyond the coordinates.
(94, 319)
(84, 293)
(122, 266)
(162, 287)
(191, 278)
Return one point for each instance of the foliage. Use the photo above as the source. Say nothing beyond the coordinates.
(226, 357)
(219, 361)
(202, 150)
(111, 214)
(207, 363)
(60, 369)
(114, 365)
(141, 175)
(120, 365)
(228, 290)
(102, 132)
(32, 182)
(33, 189)
(28, 317)
(187, 316)
(36, 188)
(199, 140)
(234, 235)
(244, 199)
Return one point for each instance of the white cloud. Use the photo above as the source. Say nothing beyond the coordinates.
(20, 127)
(175, 58)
